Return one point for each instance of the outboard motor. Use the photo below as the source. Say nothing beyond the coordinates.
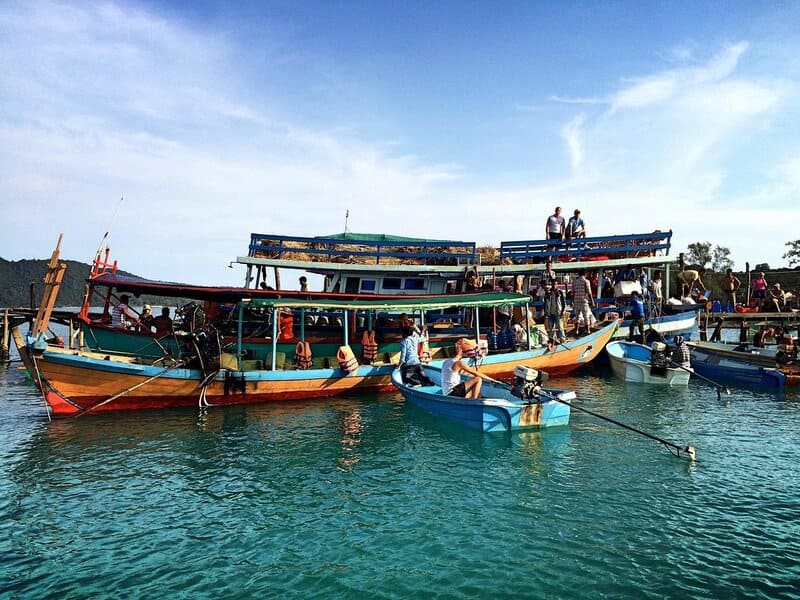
(527, 382)
(658, 359)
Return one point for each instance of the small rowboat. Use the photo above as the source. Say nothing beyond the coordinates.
(636, 363)
(498, 409)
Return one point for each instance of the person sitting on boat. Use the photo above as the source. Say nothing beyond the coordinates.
(554, 305)
(410, 366)
(303, 283)
(163, 323)
(121, 316)
(775, 300)
(146, 320)
(637, 317)
(681, 356)
(576, 228)
(760, 338)
(452, 368)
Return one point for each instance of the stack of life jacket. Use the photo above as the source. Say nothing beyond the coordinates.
(369, 347)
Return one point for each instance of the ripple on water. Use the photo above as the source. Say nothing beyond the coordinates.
(353, 497)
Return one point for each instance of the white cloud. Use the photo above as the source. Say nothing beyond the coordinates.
(572, 136)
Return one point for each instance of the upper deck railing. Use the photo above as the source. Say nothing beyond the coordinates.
(362, 249)
(589, 248)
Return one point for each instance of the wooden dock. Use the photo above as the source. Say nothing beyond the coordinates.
(744, 322)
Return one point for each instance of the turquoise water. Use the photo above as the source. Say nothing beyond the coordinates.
(367, 497)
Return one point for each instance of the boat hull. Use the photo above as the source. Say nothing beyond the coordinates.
(496, 411)
(631, 363)
(730, 369)
(75, 382)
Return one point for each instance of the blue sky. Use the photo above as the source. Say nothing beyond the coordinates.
(462, 120)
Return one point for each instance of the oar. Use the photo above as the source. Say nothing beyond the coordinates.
(688, 450)
(720, 388)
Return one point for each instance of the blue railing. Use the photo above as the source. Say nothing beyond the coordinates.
(612, 246)
(343, 249)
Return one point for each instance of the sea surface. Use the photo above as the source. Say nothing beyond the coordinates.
(366, 497)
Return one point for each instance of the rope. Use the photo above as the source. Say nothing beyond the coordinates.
(40, 383)
(129, 390)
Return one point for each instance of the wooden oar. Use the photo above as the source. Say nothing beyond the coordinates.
(720, 388)
(688, 450)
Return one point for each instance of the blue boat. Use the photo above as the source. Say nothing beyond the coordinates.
(498, 409)
(729, 368)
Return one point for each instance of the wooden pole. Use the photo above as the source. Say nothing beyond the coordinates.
(747, 274)
(4, 347)
(277, 279)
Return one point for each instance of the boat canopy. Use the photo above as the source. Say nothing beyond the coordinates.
(484, 300)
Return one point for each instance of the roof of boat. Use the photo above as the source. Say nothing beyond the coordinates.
(139, 285)
(435, 302)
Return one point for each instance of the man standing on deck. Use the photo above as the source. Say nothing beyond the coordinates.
(730, 285)
(554, 227)
(637, 317)
(583, 302)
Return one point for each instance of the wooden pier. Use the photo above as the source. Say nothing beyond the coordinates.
(716, 322)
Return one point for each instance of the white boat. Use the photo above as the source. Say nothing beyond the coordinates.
(640, 364)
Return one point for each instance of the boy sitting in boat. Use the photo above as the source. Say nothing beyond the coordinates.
(451, 375)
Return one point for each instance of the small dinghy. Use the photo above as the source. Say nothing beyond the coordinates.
(501, 406)
(641, 364)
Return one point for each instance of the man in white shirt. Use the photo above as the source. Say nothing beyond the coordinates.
(555, 226)
(451, 376)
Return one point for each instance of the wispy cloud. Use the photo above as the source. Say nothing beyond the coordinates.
(573, 137)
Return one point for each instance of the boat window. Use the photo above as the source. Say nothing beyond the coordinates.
(367, 285)
(414, 284)
(391, 283)
(351, 286)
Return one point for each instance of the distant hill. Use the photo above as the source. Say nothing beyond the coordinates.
(16, 277)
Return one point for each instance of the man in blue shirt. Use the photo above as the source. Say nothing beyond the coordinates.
(576, 228)
(637, 317)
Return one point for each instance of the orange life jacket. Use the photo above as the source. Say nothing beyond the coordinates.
(369, 347)
(302, 356)
(347, 360)
(285, 326)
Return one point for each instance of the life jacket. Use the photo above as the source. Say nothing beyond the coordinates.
(347, 360)
(285, 326)
(302, 356)
(424, 350)
(369, 347)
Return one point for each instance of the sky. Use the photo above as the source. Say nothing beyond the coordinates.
(180, 128)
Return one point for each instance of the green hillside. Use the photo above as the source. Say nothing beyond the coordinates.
(16, 278)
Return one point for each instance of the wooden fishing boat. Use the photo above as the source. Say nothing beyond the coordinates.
(498, 409)
(380, 264)
(740, 368)
(78, 381)
(638, 363)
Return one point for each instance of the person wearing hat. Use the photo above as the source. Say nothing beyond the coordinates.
(145, 324)
(452, 368)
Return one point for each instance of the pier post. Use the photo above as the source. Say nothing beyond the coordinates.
(5, 339)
